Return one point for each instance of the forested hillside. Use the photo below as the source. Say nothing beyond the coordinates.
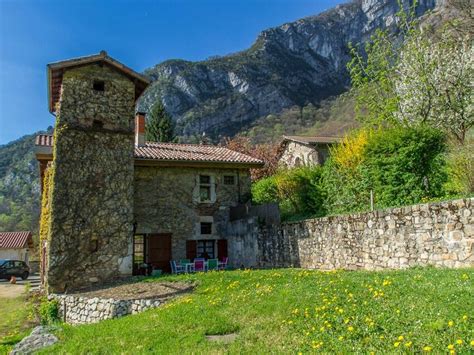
(19, 185)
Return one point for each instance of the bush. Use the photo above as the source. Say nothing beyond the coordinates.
(48, 311)
(401, 166)
(405, 166)
(297, 191)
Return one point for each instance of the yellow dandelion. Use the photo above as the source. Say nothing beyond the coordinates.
(472, 342)
(401, 337)
(427, 349)
(451, 352)
(381, 337)
(408, 344)
(350, 328)
(450, 347)
(459, 341)
(396, 344)
(341, 337)
(450, 323)
(464, 317)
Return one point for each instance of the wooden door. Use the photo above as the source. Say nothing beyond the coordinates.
(159, 251)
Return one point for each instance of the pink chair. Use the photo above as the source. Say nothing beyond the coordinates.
(199, 265)
(223, 263)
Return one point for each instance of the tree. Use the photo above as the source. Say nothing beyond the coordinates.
(159, 126)
(268, 153)
(434, 83)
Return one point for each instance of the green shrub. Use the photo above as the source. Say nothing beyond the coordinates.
(297, 191)
(405, 166)
(48, 311)
(265, 191)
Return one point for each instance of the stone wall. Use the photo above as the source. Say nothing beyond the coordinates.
(80, 310)
(439, 234)
(166, 200)
(91, 223)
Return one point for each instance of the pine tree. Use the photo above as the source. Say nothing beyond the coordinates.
(159, 126)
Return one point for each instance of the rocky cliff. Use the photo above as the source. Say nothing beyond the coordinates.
(297, 63)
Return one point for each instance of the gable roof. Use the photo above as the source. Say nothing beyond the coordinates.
(56, 70)
(312, 139)
(15, 240)
(179, 153)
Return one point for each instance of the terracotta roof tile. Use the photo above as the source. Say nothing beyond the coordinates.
(192, 153)
(174, 152)
(13, 240)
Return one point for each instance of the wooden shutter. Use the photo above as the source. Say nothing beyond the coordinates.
(191, 249)
(222, 248)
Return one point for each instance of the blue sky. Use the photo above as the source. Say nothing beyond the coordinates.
(139, 33)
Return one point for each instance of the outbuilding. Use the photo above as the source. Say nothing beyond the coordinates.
(15, 245)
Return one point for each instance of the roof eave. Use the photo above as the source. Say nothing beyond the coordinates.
(198, 163)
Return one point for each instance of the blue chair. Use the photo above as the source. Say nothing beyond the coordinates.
(176, 268)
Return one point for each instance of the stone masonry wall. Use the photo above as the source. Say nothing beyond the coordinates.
(298, 154)
(81, 310)
(92, 189)
(166, 200)
(439, 234)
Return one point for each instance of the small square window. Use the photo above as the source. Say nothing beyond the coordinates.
(206, 228)
(229, 180)
(99, 85)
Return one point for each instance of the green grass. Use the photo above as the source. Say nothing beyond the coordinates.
(14, 322)
(293, 310)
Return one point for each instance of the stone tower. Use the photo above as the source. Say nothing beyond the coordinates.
(91, 189)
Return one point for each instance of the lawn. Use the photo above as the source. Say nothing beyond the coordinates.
(293, 310)
(14, 322)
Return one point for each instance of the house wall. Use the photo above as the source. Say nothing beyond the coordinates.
(17, 254)
(92, 184)
(439, 234)
(298, 154)
(166, 200)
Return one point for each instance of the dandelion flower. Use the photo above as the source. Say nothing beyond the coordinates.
(472, 343)
(350, 328)
(408, 344)
(450, 347)
(396, 344)
(459, 341)
(427, 349)
(401, 337)
(450, 323)
(464, 317)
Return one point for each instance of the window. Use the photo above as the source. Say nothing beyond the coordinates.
(204, 188)
(138, 253)
(99, 85)
(205, 249)
(206, 228)
(229, 180)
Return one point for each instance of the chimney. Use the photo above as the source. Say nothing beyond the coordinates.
(140, 129)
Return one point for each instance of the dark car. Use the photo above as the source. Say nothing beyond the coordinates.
(17, 268)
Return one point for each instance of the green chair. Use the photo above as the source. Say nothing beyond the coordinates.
(184, 261)
(212, 264)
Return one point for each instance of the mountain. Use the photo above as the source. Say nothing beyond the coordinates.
(19, 185)
(298, 63)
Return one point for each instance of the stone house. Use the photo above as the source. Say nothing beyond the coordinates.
(112, 201)
(16, 245)
(305, 151)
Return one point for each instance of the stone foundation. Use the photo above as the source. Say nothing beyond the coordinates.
(81, 310)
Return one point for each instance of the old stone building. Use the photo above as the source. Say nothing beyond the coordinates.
(111, 201)
(305, 151)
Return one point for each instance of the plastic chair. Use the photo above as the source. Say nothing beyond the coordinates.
(176, 268)
(184, 261)
(212, 264)
(223, 263)
(199, 265)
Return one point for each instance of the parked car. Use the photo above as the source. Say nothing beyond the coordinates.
(17, 268)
